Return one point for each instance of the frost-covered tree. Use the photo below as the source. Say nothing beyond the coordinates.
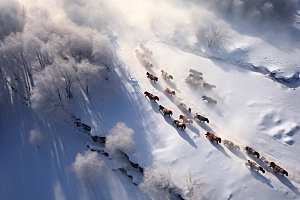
(196, 187)
(79, 46)
(12, 18)
(217, 34)
(88, 166)
(157, 182)
(89, 74)
(206, 27)
(119, 139)
(48, 96)
(36, 138)
(103, 52)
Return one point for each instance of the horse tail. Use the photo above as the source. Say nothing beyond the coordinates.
(263, 171)
(257, 154)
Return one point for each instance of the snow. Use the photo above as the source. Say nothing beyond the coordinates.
(252, 110)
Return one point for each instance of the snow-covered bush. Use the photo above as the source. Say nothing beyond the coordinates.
(157, 182)
(196, 187)
(36, 138)
(88, 166)
(119, 139)
(206, 27)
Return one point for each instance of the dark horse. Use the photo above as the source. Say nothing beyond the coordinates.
(278, 169)
(201, 118)
(151, 96)
(251, 151)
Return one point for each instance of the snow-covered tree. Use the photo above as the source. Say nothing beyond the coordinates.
(88, 166)
(89, 74)
(157, 182)
(12, 18)
(36, 138)
(79, 46)
(48, 97)
(206, 27)
(103, 52)
(119, 139)
(217, 34)
(196, 187)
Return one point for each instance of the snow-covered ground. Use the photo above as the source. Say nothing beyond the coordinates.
(252, 110)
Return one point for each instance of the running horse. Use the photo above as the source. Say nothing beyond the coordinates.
(165, 111)
(212, 137)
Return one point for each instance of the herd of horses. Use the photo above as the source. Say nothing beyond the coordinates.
(193, 79)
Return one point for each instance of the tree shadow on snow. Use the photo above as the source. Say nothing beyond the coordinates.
(182, 134)
(260, 177)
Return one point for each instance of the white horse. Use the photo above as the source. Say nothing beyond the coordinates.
(183, 106)
(165, 75)
(254, 166)
(231, 145)
(139, 54)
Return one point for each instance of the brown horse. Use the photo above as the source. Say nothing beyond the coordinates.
(212, 137)
(209, 99)
(208, 86)
(151, 96)
(151, 77)
(169, 91)
(178, 123)
(165, 111)
(278, 169)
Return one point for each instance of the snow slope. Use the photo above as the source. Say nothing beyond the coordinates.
(252, 110)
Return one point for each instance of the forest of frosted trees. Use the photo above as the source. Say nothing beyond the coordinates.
(41, 62)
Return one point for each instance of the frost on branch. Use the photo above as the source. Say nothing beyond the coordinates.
(196, 187)
(36, 138)
(206, 27)
(88, 166)
(157, 182)
(120, 139)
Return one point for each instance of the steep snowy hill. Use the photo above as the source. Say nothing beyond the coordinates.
(257, 94)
